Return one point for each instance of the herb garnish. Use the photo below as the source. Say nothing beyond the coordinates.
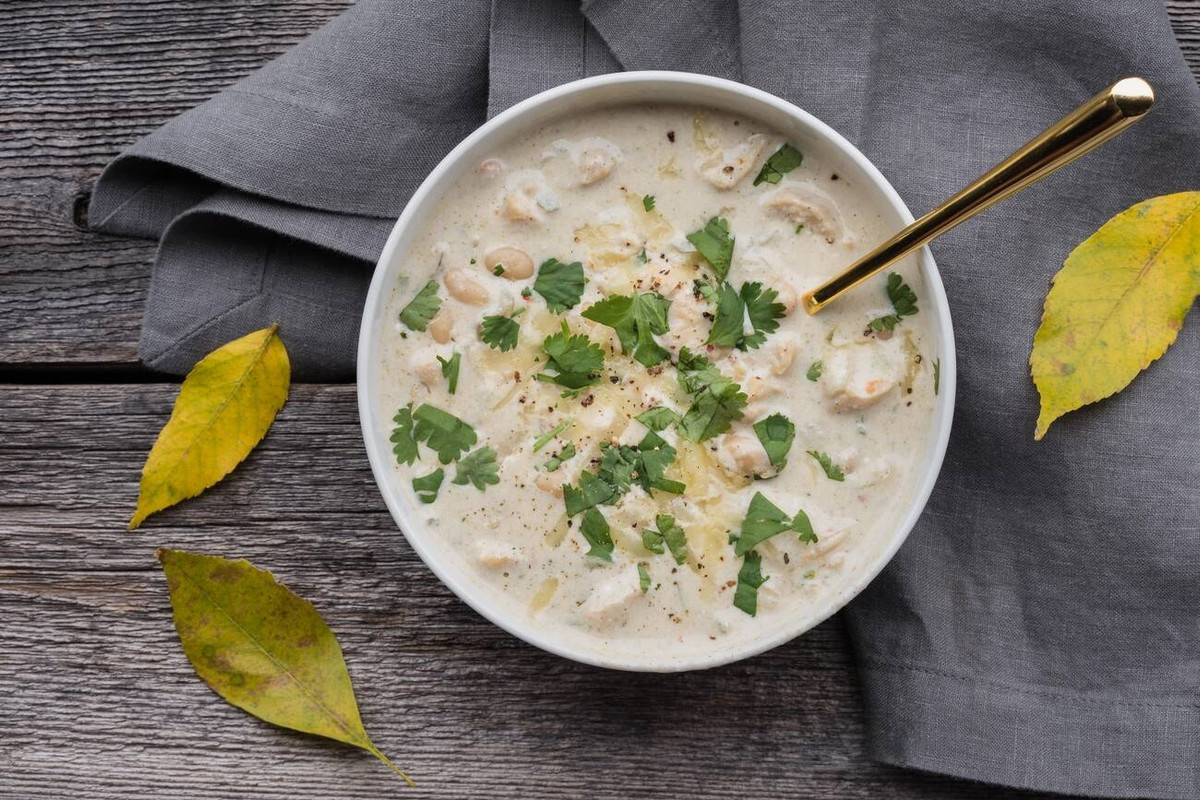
(592, 492)
(556, 461)
(450, 370)
(781, 162)
(668, 533)
(776, 433)
(648, 202)
(422, 308)
(904, 304)
(750, 577)
(560, 284)
(403, 443)
(575, 359)
(500, 332)
(814, 371)
(543, 439)
(733, 308)
(444, 433)
(717, 400)
(479, 468)
(643, 577)
(658, 418)
(832, 470)
(636, 319)
(703, 290)
(764, 519)
(937, 374)
(596, 532)
(716, 245)
(427, 486)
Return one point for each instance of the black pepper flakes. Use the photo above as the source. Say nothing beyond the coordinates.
(671, 137)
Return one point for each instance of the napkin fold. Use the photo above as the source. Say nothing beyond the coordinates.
(1041, 627)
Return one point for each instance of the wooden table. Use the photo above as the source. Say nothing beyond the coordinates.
(96, 697)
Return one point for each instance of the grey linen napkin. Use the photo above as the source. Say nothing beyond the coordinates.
(1041, 627)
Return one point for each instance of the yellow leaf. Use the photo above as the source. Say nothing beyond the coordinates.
(1117, 304)
(263, 648)
(224, 408)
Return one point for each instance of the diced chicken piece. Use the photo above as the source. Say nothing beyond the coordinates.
(724, 169)
(805, 204)
(595, 158)
(490, 167)
(611, 599)
(866, 470)
(740, 452)
(427, 369)
(858, 375)
(492, 553)
(526, 194)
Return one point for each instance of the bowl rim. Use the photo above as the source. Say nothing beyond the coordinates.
(383, 279)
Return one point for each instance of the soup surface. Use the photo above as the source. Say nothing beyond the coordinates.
(612, 413)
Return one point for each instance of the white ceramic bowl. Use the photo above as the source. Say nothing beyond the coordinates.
(810, 135)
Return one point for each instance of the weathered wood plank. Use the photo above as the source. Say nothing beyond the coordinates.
(81, 81)
(98, 700)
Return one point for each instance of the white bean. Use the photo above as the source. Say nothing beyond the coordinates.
(463, 288)
(548, 483)
(516, 264)
(439, 326)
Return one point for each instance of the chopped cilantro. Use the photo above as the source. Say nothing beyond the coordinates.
(561, 285)
(764, 519)
(575, 359)
(814, 371)
(641, 257)
(427, 486)
(500, 332)
(592, 492)
(478, 468)
(422, 308)
(750, 577)
(636, 319)
(776, 433)
(702, 289)
(527, 292)
(643, 578)
(904, 304)
(937, 374)
(595, 531)
(450, 370)
(648, 202)
(403, 443)
(716, 245)
(658, 418)
(668, 534)
(733, 308)
(445, 433)
(832, 470)
(618, 466)
(780, 163)
(564, 455)
(717, 400)
(498, 270)
(800, 228)
(543, 439)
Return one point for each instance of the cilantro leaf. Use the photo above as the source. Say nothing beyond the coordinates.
(422, 308)
(780, 163)
(500, 332)
(543, 439)
(596, 532)
(703, 290)
(556, 461)
(648, 202)
(832, 470)
(937, 374)
(904, 304)
(479, 468)
(575, 358)
(717, 400)
(658, 418)
(776, 433)
(654, 456)
(561, 285)
(641, 256)
(445, 433)
(814, 371)
(618, 466)
(403, 443)
(592, 492)
(636, 319)
(450, 370)
(668, 533)
(643, 578)
(750, 577)
(733, 309)
(716, 245)
(803, 526)
(763, 520)
(427, 486)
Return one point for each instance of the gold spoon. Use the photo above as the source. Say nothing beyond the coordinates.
(1093, 123)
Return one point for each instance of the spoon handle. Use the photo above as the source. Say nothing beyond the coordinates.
(1093, 123)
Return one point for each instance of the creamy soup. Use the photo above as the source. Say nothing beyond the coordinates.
(611, 411)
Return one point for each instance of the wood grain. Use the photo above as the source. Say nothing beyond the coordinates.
(98, 700)
(79, 81)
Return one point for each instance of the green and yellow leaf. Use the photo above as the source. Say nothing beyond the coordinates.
(225, 407)
(263, 648)
(1117, 304)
